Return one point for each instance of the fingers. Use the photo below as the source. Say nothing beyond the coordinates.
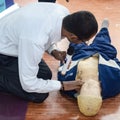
(62, 56)
(72, 85)
(79, 82)
(59, 55)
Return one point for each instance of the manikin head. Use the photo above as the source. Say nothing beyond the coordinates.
(79, 27)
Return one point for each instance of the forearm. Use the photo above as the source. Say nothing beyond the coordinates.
(39, 85)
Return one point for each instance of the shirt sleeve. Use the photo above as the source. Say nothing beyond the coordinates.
(29, 55)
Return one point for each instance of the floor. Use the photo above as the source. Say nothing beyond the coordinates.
(58, 107)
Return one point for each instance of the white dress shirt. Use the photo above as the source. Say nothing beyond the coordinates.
(27, 33)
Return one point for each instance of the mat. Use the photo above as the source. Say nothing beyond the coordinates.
(12, 108)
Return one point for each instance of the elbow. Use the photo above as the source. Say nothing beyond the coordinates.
(28, 84)
(26, 88)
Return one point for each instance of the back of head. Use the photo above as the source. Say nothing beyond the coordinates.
(82, 23)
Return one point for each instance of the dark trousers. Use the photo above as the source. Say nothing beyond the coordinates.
(46, 0)
(10, 83)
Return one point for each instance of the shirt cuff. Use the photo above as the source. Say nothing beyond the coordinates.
(55, 85)
(52, 47)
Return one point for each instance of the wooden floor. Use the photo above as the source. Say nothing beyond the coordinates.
(58, 107)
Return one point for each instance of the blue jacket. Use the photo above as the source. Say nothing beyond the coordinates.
(109, 65)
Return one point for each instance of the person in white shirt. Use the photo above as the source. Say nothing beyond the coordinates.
(26, 34)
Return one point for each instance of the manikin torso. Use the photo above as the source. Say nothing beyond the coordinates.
(89, 99)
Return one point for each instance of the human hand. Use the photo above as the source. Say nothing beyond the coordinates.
(72, 85)
(59, 55)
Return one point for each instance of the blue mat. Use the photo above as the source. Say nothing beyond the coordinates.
(12, 108)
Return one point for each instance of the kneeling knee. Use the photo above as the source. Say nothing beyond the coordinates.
(39, 98)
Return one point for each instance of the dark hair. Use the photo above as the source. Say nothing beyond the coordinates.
(46, 0)
(83, 24)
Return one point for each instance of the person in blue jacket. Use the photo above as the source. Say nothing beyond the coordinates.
(108, 65)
